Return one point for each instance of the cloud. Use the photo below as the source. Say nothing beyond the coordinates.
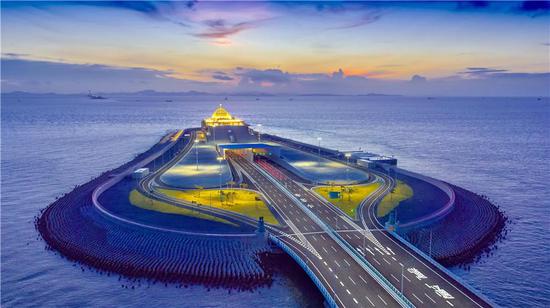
(480, 71)
(263, 77)
(219, 28)
(222, 76)
(365, 19)
(418, 79)
(535, 6)
(44, 76)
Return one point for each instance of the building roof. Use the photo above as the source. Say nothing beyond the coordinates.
(222, 117)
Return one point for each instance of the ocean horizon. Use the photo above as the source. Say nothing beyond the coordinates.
(494, 146)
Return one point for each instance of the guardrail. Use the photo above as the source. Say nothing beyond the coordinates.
(396, 294)
(441, 268)
(373, 271)
(330, 300)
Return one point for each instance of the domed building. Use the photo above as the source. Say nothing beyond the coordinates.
(221, 117)
(223, 127)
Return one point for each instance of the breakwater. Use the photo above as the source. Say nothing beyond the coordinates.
(73, 227)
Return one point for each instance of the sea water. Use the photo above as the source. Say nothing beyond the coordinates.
(498, 147)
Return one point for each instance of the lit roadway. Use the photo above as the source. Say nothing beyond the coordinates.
(423, 284)
(347, 281)
(342, 272)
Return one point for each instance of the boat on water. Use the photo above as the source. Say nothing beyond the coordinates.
(94, 96)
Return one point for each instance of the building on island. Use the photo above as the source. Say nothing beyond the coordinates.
(221, 117)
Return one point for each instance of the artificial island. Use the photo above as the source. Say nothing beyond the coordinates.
(215, 204)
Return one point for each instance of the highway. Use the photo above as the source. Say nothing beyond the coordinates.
(345, 278)
(344, 275)
(422, 283)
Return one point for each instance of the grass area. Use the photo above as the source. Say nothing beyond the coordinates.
(350, 196)
(241, 201)
(141, 201)
(401, 192)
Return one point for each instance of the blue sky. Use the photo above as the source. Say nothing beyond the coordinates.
(412, 48)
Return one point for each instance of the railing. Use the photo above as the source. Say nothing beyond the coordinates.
(373, 271)
(396, 294)
(330, 300)
(441, 268)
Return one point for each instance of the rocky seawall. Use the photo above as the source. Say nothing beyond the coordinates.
(73, 227)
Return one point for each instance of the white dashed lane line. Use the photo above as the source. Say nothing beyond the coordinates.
(361, 277)
(347, 262)
(429, 298)
(418, 298)
(383, 301)
(352, 280)
(369, 300)
(395, 277)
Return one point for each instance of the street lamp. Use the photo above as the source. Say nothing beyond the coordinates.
(220, 158)
(319, 140)
(196, 154)
(402, 275)
(259, 133)
(348, 155)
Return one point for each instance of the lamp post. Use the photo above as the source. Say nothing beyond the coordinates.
(348, 155)
(259, 133)
(196, 154)
(431, 231)
(319, 140)
(402, 274)
(220, 158)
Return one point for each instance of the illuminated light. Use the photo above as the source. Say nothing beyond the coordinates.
(221, 117)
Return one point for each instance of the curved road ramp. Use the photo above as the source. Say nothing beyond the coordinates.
(354, 261)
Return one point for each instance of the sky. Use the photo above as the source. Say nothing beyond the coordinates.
(410, 48)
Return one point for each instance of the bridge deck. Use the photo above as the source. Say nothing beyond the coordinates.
(424, 284)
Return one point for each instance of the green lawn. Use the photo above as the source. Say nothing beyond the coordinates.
(350, 196)
(242, 201)
(144, 202)
(400, 193)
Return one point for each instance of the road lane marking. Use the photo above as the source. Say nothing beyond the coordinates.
(394, 277)
(383, 301)
(342, 283)
(377, 261)
(324, 249)
(429, 298)
(330, 269)
(362, 279)
(347, 262)
(337, 263)
(355, 301)
(404, 276)
(450, 303)
(394, 259)
(369, 300)
(386, 261)
(418, 298)
(348, 291)
(333, 248)
(352, 280)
